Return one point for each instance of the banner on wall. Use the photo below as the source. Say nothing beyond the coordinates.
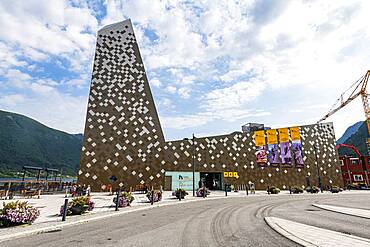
(273, 147)
(297, 153)
(294, 133)
(283, 135)
(297, 146)
(286, 156)
(273, 154)
(261, 155)
(259, 138)
(271, 136)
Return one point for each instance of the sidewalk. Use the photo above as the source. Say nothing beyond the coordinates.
(346, 210)
(307, 235)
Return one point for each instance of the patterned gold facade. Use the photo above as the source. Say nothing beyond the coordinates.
(123, 135)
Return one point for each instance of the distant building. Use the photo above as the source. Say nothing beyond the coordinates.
(251, 127)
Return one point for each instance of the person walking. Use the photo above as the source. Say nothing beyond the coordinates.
(88, 190)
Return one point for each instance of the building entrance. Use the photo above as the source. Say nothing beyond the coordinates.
(213, 180)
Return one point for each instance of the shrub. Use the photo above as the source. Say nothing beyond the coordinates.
(16, 213)
(273, 190)
(177, 193)
(78, 205)
(200, 192)
(296, 190)
(125, 199)
(335, 189)
(156, 197)
(314, 189)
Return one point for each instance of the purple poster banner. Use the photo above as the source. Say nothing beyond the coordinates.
(273, 154)
(286, 156)
(297, 153)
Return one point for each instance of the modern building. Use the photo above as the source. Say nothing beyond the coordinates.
(123, 137)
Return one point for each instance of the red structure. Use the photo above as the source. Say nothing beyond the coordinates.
(355, 170)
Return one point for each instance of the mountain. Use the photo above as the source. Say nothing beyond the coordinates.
(349, 132)
(24, 141)
(357, 139)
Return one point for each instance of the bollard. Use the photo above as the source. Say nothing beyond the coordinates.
(39, 194)
(180, 196)
(225, 190)
(268, 190)
(152, 201)
(246, 188)
(204, 190)
(65, 209)
(290, 190)
(117, 199)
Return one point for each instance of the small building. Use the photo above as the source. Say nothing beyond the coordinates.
(355, 170)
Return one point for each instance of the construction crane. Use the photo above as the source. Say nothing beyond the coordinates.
(357, 89)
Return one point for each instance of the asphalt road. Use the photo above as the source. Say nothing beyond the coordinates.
(222, 222)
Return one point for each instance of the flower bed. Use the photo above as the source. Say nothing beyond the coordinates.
(200, 192)
(296, 190)
(313, 189)
(17, 213)
(124, 200)
(78, 206)
(336, 189)
(273, 190)
(156, 197)
(177, 193)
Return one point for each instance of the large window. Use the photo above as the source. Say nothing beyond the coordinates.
(355, 161)
(357, 178)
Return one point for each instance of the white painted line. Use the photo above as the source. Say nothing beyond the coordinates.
(345, 210)
(307, 235)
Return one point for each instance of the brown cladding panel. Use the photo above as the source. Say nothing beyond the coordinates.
(123, 136)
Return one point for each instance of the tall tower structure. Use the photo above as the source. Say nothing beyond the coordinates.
(123, 136)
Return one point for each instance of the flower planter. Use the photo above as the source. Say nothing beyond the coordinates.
(17, 213)
(77, 209)
(78, 206)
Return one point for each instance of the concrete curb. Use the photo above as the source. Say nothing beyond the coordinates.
(276, 227)
(341, 212)
(100, 217)
(320, 236)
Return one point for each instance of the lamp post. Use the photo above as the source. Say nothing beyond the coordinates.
(193, 163)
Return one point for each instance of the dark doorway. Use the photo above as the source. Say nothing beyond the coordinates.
(213, 180)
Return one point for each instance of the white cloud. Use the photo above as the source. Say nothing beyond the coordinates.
(224, 57)
(184, 92)
(11, 100)
(171, 89)
(233, 97)
(155, 82)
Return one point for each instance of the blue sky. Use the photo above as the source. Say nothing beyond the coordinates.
(212, 65)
